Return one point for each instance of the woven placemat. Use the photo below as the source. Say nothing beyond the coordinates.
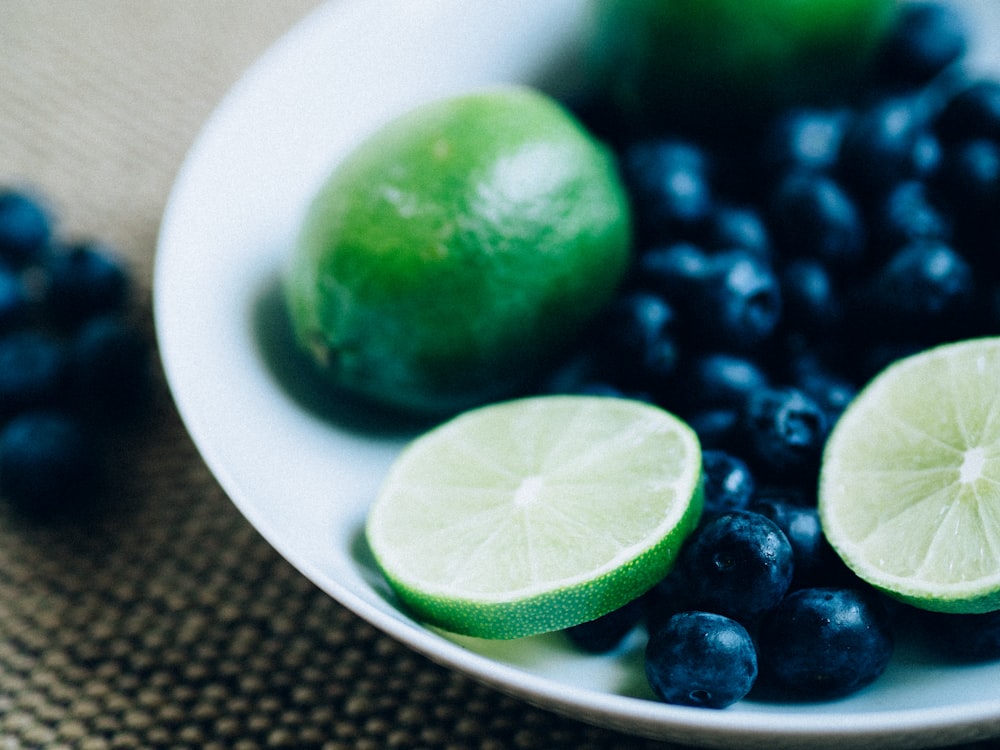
(170, 623)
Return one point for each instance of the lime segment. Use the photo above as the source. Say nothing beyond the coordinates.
(910, 485)
(536, 514)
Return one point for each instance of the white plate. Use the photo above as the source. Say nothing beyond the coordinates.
(303, 468)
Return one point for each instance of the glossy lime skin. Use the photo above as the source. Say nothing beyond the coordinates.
(457, 249)
(712, 62)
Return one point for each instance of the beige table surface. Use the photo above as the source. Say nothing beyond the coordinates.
(172, 624)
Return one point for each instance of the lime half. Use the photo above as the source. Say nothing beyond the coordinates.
(533, 515)
(910, 485)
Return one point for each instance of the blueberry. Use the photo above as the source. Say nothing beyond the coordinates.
(803, 138)
(833, 393)
(25, 229)
(969, 177)
(971, 638)
(85, 280)
(640, 348)
(14, 300)
(908, 214)
(785, 431)
(608, 631)
(47, 463)
(809, 296)
(670, 185)
(33, 368)
(973, 112)
(675, 271)
(729, 485)
(815, 561)
(923, 287)
(738, 305)
(926, 39)
(825, 642)
(738, 227)
(664, 600)
(720, 379)
(738, 564)
(109, 368)
(882, 145)
(701, 659)
(813, 216)
(717, 428)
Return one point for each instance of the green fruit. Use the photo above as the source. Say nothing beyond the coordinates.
(457, 249)
(534, 515)
(910, 484)
(714, 61)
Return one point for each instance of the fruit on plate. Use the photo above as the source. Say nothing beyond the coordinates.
(910, 485)
(536, 514)
(457, 249)
(702, 60)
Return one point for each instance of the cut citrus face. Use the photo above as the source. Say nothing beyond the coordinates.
(536, 514)
(910, 484)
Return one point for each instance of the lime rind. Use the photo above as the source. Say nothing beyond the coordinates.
(910, 484)
(458, 552)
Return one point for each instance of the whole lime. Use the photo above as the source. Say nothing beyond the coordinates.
(705, 62)
(460, 246)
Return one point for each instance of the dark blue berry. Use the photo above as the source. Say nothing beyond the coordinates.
(785, 431)
(738, 303)
(973, 638)
(14, 300)
(833, 393)
(810, 298)
(882, 145)
(738, 564)
(33, 368)
(608, 631)
(803, 138)
(664, 600)
(675, 271)
(85, 280)
(815, 561)
(729, 485)
(973, 112)
(813, 216)
(925, 40)
(825, 642)
(25, 229)
(717, 428)
(830, 389)
(908, 214)
(720, 379)
(670, 186)
(701, 659)
(732, 227)
(640, 348)
(47, 463)
(109, 368)
(969, 179)
(924, 287)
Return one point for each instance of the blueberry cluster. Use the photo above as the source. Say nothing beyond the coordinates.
(777, 270)
(73, 365)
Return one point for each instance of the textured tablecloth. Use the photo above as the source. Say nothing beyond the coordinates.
(171, 623)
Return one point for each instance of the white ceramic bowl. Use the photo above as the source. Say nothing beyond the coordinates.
(303, 468)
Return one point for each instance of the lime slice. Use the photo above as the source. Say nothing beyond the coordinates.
(536, 514)
(910, 484)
